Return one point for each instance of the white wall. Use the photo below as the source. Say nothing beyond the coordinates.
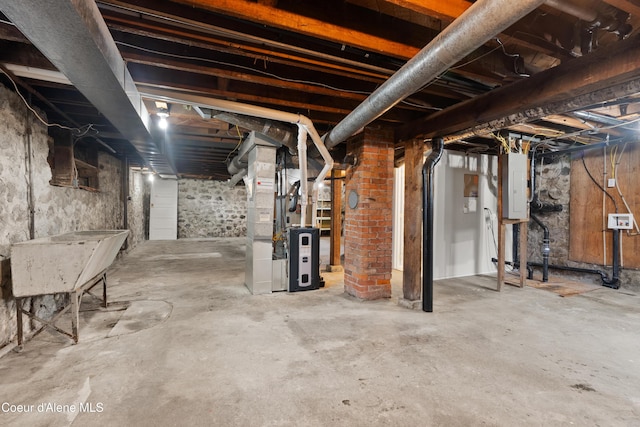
(463, 240)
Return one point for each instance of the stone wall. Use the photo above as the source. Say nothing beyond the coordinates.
(211, 209)
(138, 207)
(554, 184)
(55, 209)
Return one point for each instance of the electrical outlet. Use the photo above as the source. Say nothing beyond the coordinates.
(611, 182)
(620, 221)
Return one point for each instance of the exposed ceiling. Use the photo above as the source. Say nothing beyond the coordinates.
(560, 74)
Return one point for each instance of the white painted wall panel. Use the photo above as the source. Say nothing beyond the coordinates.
(398, 218)
(465, 228)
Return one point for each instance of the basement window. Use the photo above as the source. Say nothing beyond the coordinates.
(74, 163)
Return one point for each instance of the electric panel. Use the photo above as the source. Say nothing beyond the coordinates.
(304, 259)
(514, 186)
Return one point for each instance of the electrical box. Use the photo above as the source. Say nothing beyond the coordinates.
(622, 221)
(514, 186)
(304, 259)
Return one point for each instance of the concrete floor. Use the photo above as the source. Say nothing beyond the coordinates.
(195, 348)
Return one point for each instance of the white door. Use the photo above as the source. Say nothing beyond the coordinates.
(163, 215)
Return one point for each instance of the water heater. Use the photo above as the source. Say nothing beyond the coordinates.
(304, 259)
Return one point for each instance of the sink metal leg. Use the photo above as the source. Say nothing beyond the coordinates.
(19, 320)
(75, 314)
(104, 290)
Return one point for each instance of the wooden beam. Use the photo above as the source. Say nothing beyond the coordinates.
(448, 10)
(278, 18)
(598, 77)
(412, 255)
(225, 75)
(257, 53)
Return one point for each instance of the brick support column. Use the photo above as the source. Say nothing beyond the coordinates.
(368, 225)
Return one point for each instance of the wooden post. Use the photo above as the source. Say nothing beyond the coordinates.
(502, 231)
(412, 255)
(336, 220)
(524, 226)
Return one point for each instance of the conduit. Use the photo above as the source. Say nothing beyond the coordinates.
(437, 146)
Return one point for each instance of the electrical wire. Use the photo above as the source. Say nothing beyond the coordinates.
(237, 145)
(624, 200)
(266, 73)
(515, 57)
(35, 113)
(598, 184)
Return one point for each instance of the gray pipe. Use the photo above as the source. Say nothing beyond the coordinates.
(437, 146)
(482, 21)
(546, 248)
(600, 118)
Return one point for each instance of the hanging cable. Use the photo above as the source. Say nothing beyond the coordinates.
(265, 73)
(79, 131)
(598, 184)
(624, 200)
(237, 145)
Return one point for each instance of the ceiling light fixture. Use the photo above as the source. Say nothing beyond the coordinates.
(163, 113)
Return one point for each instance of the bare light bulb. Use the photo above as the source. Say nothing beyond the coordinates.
(163, 123)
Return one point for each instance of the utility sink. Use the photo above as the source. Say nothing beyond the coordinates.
(62, 263)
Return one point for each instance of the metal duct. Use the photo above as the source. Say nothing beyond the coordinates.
(74, 37)
(482, 21)
(278, 131)
(253, 111)
(600, 118)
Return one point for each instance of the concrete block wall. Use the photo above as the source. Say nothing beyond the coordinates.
(368, 227)
(56, 209)
(554, 184)
(211, 209)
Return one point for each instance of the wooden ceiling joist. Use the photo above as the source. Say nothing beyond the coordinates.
(278, 18)
(600, 76)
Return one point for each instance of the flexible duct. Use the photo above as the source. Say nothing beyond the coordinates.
(437, 146)
(479, 23)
